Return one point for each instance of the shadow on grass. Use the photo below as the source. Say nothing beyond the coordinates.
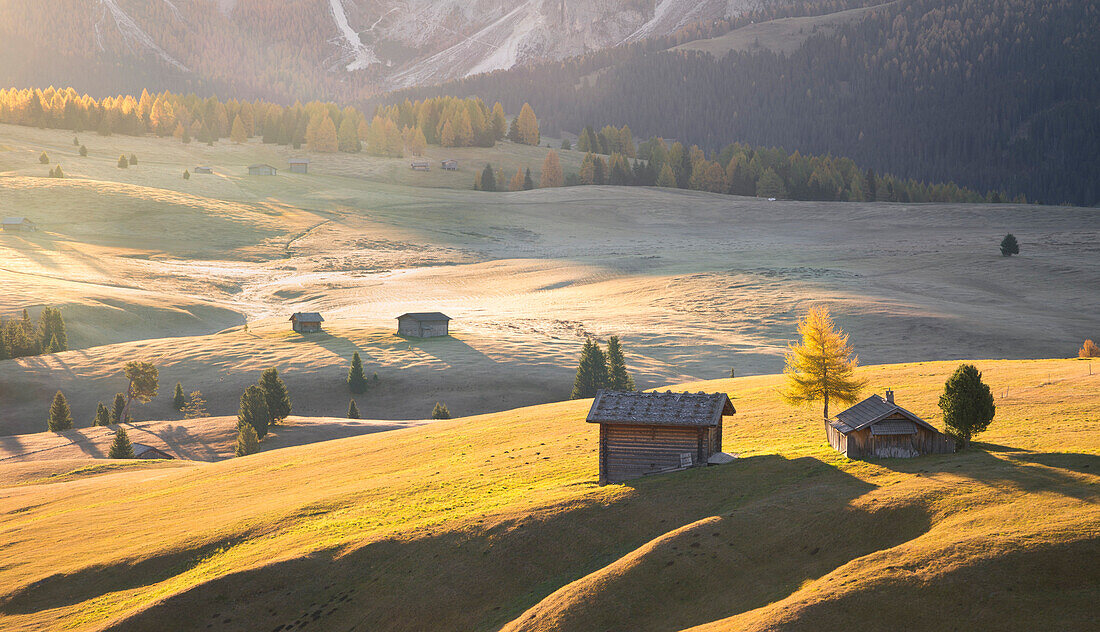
(485, 574)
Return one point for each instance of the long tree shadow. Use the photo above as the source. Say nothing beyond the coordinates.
(481, 576)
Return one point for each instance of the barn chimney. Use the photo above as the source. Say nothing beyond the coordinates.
(889, 396)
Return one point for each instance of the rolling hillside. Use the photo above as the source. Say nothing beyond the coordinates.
(496, 522)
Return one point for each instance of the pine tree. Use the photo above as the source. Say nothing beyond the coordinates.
(324, 137)
(617, 376)
(76, 142)
(565, 144)
(353, 410)
(133, 160)
(238, 134)
(102, 416)
(488, 181)
(195, 407)
(186, 174)
(178, 399)
(247, 441)
(123, 163)
(357, 382)
(822, 366)
(118, 409)
(967, 404)
(121, 448)
(591, 371)
(61, 417)
(666, 178)
(528, 183)
(1009, 246)
(348, 136)
(770, 185)
(276, 395)
(253, 411)
(44, 159)
(552, 175)
(440, 411)
(83, 151)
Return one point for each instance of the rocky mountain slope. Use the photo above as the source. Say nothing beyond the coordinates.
(313, 48)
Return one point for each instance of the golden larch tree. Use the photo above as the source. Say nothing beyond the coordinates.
(552, 175)
(822, 366)
(237, 134)
(527, 126)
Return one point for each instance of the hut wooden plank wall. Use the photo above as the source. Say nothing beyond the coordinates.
(879, 428)
(424, 324)
(306, 322)
(650, 433)
(262, 170)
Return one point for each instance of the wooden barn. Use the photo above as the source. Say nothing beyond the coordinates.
(420, 165)
(203, 170)
(262, 170)
(142, 451)
(650, 433)
(18, 224)
(879, 428)
(424, 324)
(299, 165)
(449, 165)
(306, 322)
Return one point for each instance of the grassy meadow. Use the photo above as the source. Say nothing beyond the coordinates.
(496, 522)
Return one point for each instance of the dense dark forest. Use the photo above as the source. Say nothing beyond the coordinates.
(993, 95)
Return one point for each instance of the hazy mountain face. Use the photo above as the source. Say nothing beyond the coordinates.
(313, 48)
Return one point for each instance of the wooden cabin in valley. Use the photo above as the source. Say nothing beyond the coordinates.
(420, 165)
(204, 170)
(18, 224)
(651, 433)
(306, 322)
(299, 165)
(878, 428)
(424, 324)
(449, 165)
(262, 170)
(143, 451)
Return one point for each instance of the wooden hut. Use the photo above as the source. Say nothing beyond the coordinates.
(299, 165)
(306, 322)
(650, 433)
(142, 451)
(420, 165)
(204, 170)
(424, 324)
(262, 170)
(18, 224)
(449, 165)
(879, 428)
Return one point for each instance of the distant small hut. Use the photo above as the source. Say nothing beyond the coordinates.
(299, 165)
(424, 324)
(18, 224)
(306, 322)
(142, 451)
(651, 433)
(204, 170)
(262, 170)
(449, 165)
(420, 165)
(879, 428)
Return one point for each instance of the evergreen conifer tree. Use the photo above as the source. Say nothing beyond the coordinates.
(253, 411)
(102, 416)
(61, 417)
(44, 159)
(357, 382)
(617, 376)
(186, 174)
(121, 448)
(237, 134)
(440, 411)
(76, 142)
(528, 183)
(118, 408)
(591, 371)
(967, 404)
(276, 395)
(247, 441)
(666, 178)
(488, 181)
(1009, 246)
(195, 407)
(178, 398)
(353, 410)
(123, 163)
(83, 151)
(133, 160)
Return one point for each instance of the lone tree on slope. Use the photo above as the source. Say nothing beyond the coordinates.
(278, 398)
(822, 366)
(353, 410)
(123, 163)
(144, 382)
(967, 404)
(440, 411)
(178, 398)
(118, 409)
(617, 376)
(121, 448)
(357, 382)
(102, 416)
(61, 417)
(1009, 246)
(591, 371)
(253, 411)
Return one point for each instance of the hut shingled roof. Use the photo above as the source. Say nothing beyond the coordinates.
(659, 409)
